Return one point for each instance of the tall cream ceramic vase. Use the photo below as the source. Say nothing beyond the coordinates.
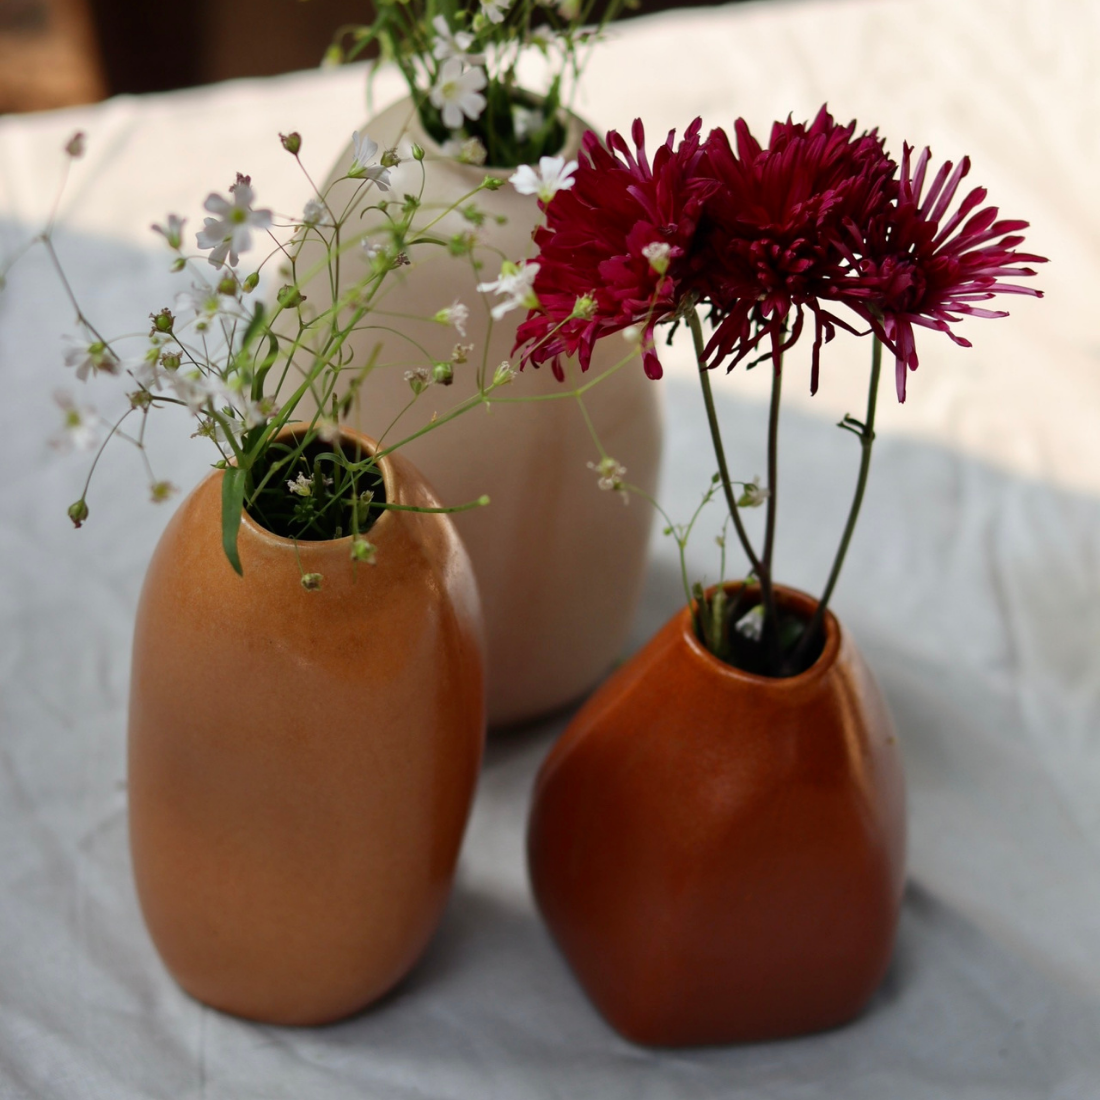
(558, 561)
(301, 764)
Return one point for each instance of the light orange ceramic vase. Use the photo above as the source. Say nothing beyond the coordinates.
(559, 562)
(301, 764)
(719, 855)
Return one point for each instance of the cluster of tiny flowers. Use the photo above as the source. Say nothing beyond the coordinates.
(762, 237)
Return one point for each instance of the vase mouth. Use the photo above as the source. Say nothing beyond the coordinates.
(413, 130)
(790, 599)
(346, 435)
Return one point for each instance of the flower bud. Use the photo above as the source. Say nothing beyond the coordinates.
(417, 152)
(78, 512)
(390, 159)
(75, 148)
(178, 264)
(227, 285)
(503, 374)
(311, 582)
(289, 296)
(170, 360)
(292, 142)
(492, 183)
(251, 282)
(418, 380)
(163, 321)
(443, 373)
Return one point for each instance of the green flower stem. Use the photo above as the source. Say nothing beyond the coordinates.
(866, 434)
(769, 638)
(719, 451)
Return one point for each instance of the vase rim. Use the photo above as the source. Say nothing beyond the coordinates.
(384, 467)
(826, 659)
(575, 128)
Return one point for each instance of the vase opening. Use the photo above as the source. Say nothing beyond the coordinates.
(311, 490)
(738, 634)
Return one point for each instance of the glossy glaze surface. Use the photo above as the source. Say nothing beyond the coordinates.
(720, 856)
(551, 549)
(301, 765)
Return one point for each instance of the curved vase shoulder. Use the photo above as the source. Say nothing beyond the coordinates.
(719, 855)
(559, 562)
(302, 763)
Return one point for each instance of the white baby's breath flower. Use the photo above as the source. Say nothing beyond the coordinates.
(611, 474)
(658, 252)
(457, 94)
(554, 174)
(196, 390)
(91, 359)
(504, 374)
(455, 314)
(371, 250)
(495, 10)
(328, 431)
(525, 120)
(753, 494)
(202, 299)
(361, 167)
(172, 232)
(516, 286)
(229, 233)
(316, 213)
(465, 150)
(450, 44)
(78, 426)
(301, 486)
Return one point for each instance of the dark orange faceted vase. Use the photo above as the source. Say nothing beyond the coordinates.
(720, 855)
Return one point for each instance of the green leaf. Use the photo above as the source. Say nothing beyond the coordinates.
(232, 504)
(253, 326)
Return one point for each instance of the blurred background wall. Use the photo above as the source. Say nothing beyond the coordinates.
(55, 53)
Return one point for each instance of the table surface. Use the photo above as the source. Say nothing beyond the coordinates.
(973, 587)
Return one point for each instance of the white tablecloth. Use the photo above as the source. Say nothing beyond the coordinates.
(973, 586)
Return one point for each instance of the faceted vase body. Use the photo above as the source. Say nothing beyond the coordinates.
(559, 562)
(301, 764)
(719, 855)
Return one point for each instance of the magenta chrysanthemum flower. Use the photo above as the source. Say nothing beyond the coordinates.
(614, 250)
(919, 266)
(773, 230)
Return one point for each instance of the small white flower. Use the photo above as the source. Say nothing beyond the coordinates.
(78, 426)
(316, 213)
(495, 10)
(202, 299)
(611, 474)
(370, 250)
(526, 120)
(658, 252)
(328, 431)
(195, 390)
(516, 285)
(172, 232)
(554, 174)
(90, 359)
(751, 624)
(301, 486)
(229, 233)
(448, 44)
(361, 167)
(753, 494)
(632, 334)
(504, 374)
(457, 94)
(465, 151)
(455, 314)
